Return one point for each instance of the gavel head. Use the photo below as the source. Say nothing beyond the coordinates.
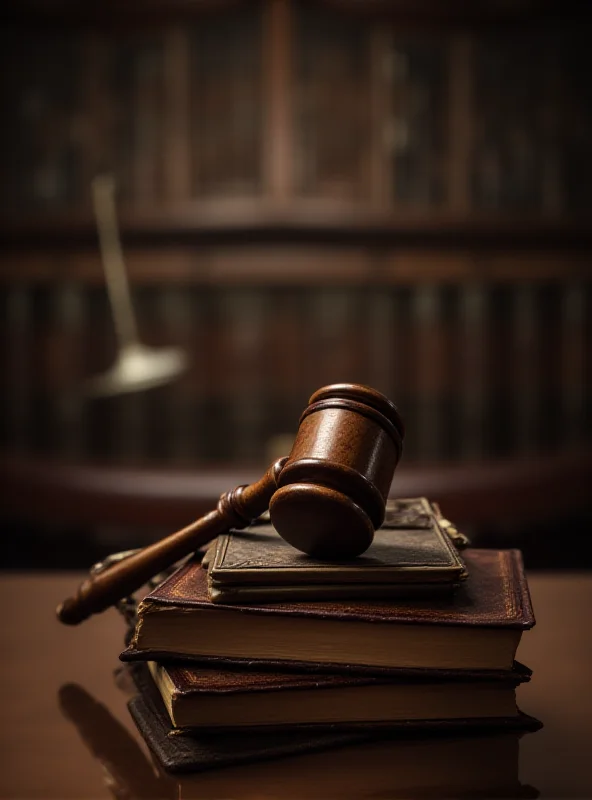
(332, 490)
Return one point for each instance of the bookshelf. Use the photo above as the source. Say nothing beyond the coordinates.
(403, 184)
(280, 101)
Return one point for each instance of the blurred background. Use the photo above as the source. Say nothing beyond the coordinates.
(392, 193)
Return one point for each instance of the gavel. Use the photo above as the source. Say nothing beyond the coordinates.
(326, 498)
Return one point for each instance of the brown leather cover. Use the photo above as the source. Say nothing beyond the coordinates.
(494, 595)
(198, 680)
(196, 752)
(131, 655)
(410, 555)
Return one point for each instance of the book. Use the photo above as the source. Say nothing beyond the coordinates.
(480, 628)
(462, 758)
(332, 105)
(218, 698)
(418, 83)
(469, 765)
(411, 555)
(211, 750)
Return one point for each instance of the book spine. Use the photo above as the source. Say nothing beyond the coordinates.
(460, 122)
(335, 339)
(552, 188)
(525, 369)
(573, 352)
(334, 108)
(19, 388)
(243, 318)
(381, 109)
(282, 163)
(66, 358)
(48, 68)
(177, 114)
(96, 107)
(380, 323)
(429, 368)
(183, 423)
(417, 130)
(130, 427)
(509, 100)
(474, 325)
(289, 381)
(227, 107)
(130, 421)
(148, 121)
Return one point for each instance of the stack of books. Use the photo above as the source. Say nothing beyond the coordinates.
(258, 652)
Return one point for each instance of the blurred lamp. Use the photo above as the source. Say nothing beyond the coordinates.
(137, 367)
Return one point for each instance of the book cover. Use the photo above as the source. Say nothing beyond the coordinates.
(479, 628)
(204, 680)
(199, 752)
(410, 554)
(210, 698)
(209, 751)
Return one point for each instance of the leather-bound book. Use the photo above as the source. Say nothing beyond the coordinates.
(462, 759)
(411, 556)
(223, 699)
(478, 629)
(468, 764)
(210, 749)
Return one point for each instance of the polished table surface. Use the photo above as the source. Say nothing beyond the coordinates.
(45, 755)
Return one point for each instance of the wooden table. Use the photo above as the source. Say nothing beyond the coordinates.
(44, 755)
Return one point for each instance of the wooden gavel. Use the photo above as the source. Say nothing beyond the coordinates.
(326, 499)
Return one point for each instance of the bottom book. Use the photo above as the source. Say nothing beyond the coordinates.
(483, 766)
(446, 760)
(475, 764)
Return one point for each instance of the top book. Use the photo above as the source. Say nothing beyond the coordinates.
(479, 627)
(411, 556)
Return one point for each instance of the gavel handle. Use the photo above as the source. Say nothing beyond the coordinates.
(236, 509)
